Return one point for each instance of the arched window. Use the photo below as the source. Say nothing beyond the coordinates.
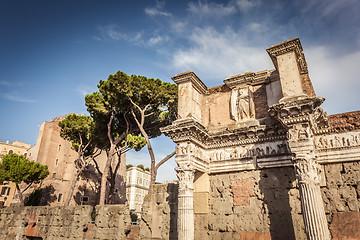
(25, 154)
(10, 151)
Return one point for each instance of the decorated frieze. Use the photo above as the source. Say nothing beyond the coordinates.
(334, 141)
(249, 151)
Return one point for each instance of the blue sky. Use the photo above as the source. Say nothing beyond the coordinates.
(52, 53)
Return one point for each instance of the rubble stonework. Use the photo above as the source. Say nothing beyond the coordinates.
(268, 121)
(74, 222)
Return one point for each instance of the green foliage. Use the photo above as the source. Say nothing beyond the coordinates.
(128, 166)
(134, 217)
(78, 130)
(113, 100)
(136, 142)
(17, 168)
(141, 166)
(93, 216)
(147, 169)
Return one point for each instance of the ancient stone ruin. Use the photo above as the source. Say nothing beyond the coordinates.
(259, 157)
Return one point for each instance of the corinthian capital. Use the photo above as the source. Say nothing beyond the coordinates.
(186, 178)
(307, 170)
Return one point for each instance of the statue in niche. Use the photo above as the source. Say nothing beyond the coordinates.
(242, 104)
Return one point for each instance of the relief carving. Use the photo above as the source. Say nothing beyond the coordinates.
(337, 141)
(242, 103)
(249, 152)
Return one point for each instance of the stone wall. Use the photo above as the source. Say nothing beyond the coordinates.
(341, 197)
(262, 202)
(159, 213)
(73, 222)
(259, 204)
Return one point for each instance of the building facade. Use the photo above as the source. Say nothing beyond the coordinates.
(137, 187)
(57, 153)
(258, 156)
(8, 189)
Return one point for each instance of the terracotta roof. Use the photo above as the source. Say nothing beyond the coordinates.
(344, 122)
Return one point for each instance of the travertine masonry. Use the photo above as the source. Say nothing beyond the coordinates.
(65, 222)
(159, 214)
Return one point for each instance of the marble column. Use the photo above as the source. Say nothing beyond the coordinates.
(185, 224)
(316, 226)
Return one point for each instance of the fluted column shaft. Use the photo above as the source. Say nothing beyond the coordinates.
(185, 224)
(312, 205)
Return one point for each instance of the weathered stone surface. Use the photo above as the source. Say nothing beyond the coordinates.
(65, 222)
(345, 226)
(159, 215)
(242, 190)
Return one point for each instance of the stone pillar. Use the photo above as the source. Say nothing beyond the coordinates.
(312, 206)
(303, 117)
(185, 224)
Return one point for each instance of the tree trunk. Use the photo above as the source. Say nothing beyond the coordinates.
(152, 157)
(21, 199)
(72, 187)
(106, 174)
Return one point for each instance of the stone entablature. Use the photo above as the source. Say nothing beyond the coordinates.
(252, 78)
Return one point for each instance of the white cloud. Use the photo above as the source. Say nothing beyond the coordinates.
(335, 77)
(156, 40)
(331, 7)
(245, 5)
(210, 9)
(16, 97)
(217, 55)
(156, 12)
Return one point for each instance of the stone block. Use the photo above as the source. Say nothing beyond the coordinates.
(254, 236)
(345, 226)
(242, 190)
(221, 206)
(201, 202)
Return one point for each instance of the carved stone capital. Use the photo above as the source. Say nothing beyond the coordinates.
(186, 179)
(307, 170)
(301, 109)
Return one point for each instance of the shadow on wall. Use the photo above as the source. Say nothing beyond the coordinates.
(41, 196)
(275, 185)
(172, 199)
(88, 192)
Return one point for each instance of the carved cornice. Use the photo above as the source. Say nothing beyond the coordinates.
(191, 130)
(301, 109)
(289, 46)
(251, 78)
(190, 76)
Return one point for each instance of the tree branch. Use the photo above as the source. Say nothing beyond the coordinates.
(164, 160)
